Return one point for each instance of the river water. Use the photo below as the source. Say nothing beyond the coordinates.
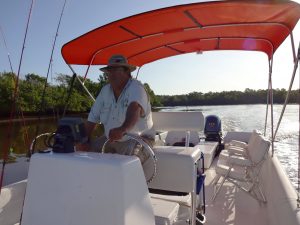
(233, 117)
(250, 117)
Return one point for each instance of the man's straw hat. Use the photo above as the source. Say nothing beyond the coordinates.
(116, 61)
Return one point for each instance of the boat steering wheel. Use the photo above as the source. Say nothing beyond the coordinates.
(147, 148)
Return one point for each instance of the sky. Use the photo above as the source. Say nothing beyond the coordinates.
(211, 71)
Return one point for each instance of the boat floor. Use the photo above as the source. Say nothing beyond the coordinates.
(232, 206)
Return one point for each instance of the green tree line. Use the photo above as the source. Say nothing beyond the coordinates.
(31, 90)
(32, 86)
(248, 96)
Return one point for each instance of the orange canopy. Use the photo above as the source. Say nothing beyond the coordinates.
(257, 25)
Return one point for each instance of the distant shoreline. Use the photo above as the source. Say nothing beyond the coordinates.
(155, 108)
(26, 119)
(35, 118)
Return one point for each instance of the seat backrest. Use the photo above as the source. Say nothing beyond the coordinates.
(258, 149)
(252, 140)
(180, 136)
(178, 121)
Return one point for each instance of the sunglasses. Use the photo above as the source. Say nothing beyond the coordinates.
(115, 69)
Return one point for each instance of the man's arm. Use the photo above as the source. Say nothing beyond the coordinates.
(133, 113)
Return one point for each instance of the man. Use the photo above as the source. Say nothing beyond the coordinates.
(122, 106)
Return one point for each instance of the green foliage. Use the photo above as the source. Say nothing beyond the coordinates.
(35, 79)
(103, 79)
(154, 100)
(31, 91)
(7, 84)
(249, 96)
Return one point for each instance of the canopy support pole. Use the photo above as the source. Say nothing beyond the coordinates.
(298, 189)
(270, 97)
(293, 47)
(91, 62)
(138, 72)
(82, 84)
(291, 84)
(267, 105)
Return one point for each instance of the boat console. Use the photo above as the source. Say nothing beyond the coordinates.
(86, 188)
(92, 188)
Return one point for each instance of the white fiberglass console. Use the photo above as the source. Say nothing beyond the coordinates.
(86, 188)
(176, 168)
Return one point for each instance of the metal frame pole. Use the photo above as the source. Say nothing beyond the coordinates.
(267, 107)
(291, 84)
(271, 101)
(82, 84)
(194, 196)
(298, 189)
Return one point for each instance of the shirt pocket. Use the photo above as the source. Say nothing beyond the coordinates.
(104, 113)
(122, 109)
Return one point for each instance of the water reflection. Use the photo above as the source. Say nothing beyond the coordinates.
(20, 143)
(250, 117)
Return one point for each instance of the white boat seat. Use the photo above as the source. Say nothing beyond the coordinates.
(243, 172)
(165, 212)
(179, 126)
(178, 121)
(237, 173)
(239, 148)
(174, 137)
(227, 154)
(241, 144)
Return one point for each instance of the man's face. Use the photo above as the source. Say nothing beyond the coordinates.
(117, 74)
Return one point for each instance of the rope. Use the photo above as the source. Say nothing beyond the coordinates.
(7, 143)
(69, 94)
(26, 136)
(42, 104)
(8, 55)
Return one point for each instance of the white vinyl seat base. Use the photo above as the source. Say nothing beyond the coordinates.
(208, 148)
(165, 212)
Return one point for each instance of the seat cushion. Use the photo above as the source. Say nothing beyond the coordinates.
(236, 172)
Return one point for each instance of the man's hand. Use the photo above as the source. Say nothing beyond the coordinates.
(89, 127)
(85, 147)
(133, 113)
(116, 133)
